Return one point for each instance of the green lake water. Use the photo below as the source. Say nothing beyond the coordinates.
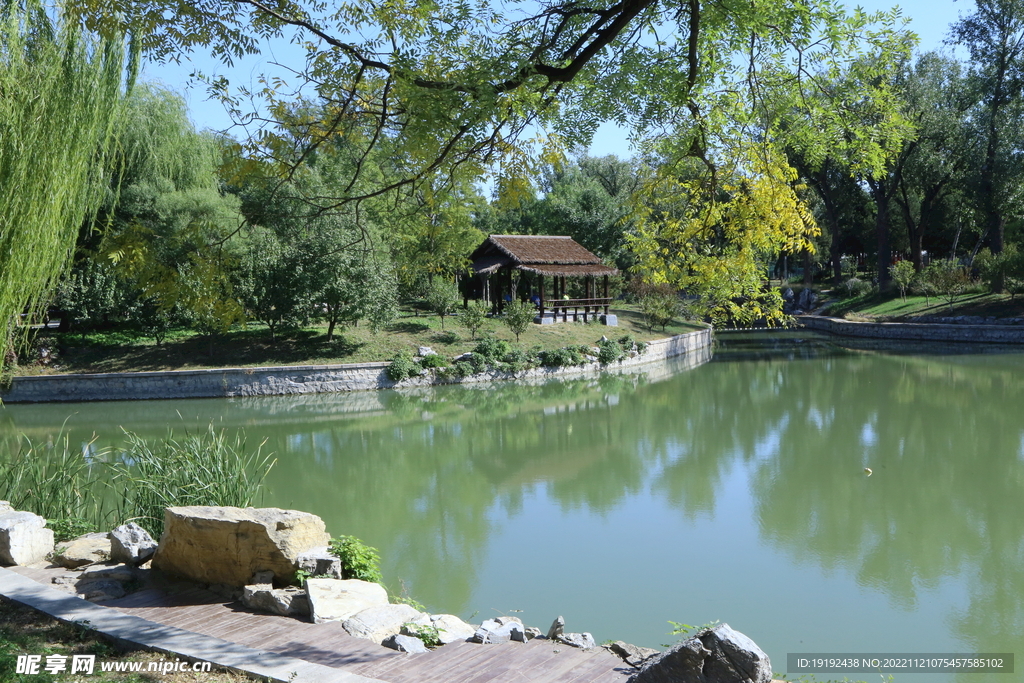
(733, 491)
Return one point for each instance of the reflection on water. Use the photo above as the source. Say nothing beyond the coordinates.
(731, 491)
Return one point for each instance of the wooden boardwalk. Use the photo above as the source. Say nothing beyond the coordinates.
(205, 613)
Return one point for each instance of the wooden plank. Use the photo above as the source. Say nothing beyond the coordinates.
(206, 613)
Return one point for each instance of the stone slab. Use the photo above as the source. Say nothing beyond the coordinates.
(337, 600)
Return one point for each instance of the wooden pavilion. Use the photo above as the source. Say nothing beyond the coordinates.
(510, 267)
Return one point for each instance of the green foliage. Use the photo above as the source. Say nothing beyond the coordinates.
(564, 357)
(948, 279)
(167, 225)
(516, 360)
(610, 351)
(62, 94)
(680, 629)
(68, 529)
(403, 366)
(628, 343)
(428, 633)
(476, 362)
(518, 315)
(443, 297)
(1005, 269)
(474, 316)
(854, 287)
(434, 360)
(658, 303)
(903, 274)
(358, 560)
(493, 350)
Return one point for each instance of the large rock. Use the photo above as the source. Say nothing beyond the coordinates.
(405, 644)
(289, 602)
(320, 562)
(131, 544)
(583, 641)
(227, 545)
(557, 627)
(377, 623)
(450, 628)
(718, 655)
(87, 549)
(23, 538)
(337, 600)
(634, 655)
(110, 572)
(500, 630)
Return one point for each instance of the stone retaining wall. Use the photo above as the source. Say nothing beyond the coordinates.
(300, 379)
(994, 334)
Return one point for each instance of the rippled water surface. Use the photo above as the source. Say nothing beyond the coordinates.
(733, 491)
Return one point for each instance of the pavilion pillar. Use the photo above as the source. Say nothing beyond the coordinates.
(606, 294)
(542, 294)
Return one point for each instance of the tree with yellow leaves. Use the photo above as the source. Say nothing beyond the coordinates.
(712, 234)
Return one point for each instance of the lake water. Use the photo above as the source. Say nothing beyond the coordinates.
(734, 491)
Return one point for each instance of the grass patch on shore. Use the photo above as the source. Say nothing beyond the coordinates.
(251, 346)
(890, 307)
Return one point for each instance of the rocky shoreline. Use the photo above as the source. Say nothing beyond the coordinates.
(279, 562)
(312, 379)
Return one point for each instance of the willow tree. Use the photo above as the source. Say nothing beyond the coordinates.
(62, 92)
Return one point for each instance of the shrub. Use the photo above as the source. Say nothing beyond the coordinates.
(854, 287)
(435, 360)
(493, 350)
(403, 366)
(564, 357)
(1004, 270)
(628, 343)
(660, 306)
(518, 315)
(428, 633)
(949, 279)
(442, 297)
(474, 317)
(358, 560)
(517, 360)
(902, 273)
(610, 351)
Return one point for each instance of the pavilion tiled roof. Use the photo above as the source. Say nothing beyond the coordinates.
(542, 254)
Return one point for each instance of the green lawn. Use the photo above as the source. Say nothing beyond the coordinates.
(892, 307)
(252, 345)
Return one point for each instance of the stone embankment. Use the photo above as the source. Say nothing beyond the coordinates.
(305, 379)
(963, 329)
(257, 555)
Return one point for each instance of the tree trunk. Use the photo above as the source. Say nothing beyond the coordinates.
(880, 193)
(331, 322)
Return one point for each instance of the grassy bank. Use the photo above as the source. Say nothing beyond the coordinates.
(890, 307)
(252, 345)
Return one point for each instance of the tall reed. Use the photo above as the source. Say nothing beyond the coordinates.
(198, 469)
(133, 482)
(55, 480)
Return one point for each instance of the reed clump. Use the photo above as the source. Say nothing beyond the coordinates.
(80, 486)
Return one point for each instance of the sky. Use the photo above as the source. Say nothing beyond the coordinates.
(930, 19)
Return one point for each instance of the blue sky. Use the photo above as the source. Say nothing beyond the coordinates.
(930, 19)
